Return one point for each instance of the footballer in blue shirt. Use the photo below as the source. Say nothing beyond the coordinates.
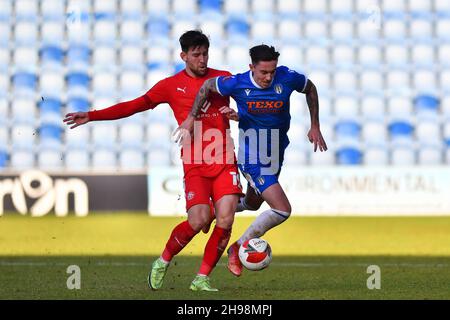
(262, 97)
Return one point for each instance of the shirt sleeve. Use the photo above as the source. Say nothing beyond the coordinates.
(159, 93)
(297, 80)
(225, 85)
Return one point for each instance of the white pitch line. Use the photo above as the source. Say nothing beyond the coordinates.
(277, 264)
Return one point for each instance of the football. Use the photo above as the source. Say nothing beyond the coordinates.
(255, 254)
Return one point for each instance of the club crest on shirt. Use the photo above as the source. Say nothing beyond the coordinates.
(278, 88)
(190, 195)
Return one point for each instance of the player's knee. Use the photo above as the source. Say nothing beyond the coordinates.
(199, 220)
(225, 221)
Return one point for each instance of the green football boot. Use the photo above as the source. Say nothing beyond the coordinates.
(201, 283)
(156, 276)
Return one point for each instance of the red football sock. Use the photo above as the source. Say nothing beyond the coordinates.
(214, 248)
(181, 235)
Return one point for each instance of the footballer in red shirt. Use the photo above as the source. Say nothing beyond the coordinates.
(211, 175)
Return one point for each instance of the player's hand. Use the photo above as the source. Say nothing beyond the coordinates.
(229, 113)
(184, 131)
(315, 136)
(76, 118)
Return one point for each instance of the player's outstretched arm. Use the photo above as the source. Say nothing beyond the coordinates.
(117, 111)
(201, 101)
(314, 134)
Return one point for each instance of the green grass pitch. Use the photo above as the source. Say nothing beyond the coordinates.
(313, 258)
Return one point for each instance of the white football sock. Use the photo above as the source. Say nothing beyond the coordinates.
(263, 223)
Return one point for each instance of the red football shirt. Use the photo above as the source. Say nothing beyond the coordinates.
(208, 151)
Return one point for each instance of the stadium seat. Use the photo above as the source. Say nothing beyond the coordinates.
(427, 131)
(444, 80)
(262, 31)
(131, 159)
(421, 30)
(158, 157)
(216, 57)
(180, 26)
(51, 84)
(422, 55)
(76, 104)
(131, 9)
(400, 130)
(77, 138)
(344, 82)
(400, 107)
(236, 55)
(320, 77)
(374, 133)
(24, 81)
(315, 31)
(158, 135)
(104, 159)
(26, 58)
(77, 160)
(105, 32)
(50, 135)
(104, 83)
(3, 159)
(158, 8)
(50, 159)
(398, 81)
(346, 107)
(5, 34)
(236, 8)
(158, 30)
(376, 156)
(50, 111)
(317, 56)
(347, 130)
(26, 10)
(211, 7)
(424, 80)
(262, 9)
(185, 9)
(23, 136)
(23, 110)
(52, 32)
(52, 10)
(26, 33)
(131, 135)
(419, 6)
(394, 6)
(368, 30)
(237, 30)
(394, 30)
(289, 8)
(342, 31)
(343, 56)
(104, 58)
(214, 29)
(7, 10)
(349, 156)
(371, 82)
(289, 31)
(369, 56)
(315, 9)
(104, 135)
(396, 55)
(52, 55)
(22, 159)
(159, 55)
(402, 156)
(430, 155)
(78, 57)
(131, 84)
(131, 32)
(442, 27)
(426, 103)
(132, 58)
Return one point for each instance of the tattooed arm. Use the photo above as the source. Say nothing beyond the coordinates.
(201, 101)
(314, 134)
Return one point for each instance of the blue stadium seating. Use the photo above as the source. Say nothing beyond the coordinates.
(349, 156)
(401, 129)
(51, 54)
(78, 79)
(426, 103)
(210, 5)
(77, 104)
(3, 159)
(25, 81)
(50, 134)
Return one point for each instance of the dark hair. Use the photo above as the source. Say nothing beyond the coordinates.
(263, 53)
(193, 39)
